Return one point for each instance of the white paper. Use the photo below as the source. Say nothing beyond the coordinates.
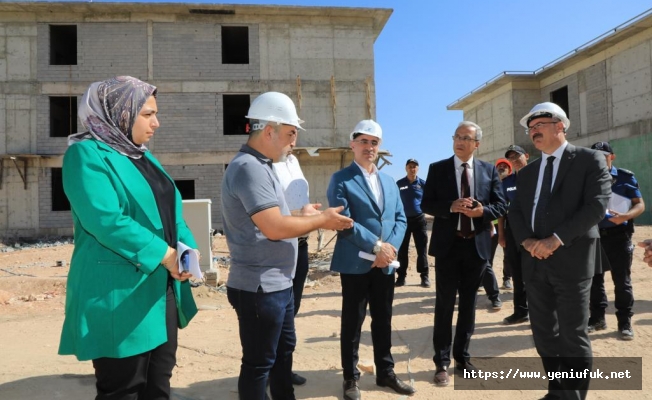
(619, 204)
(193, 260)
(372, 257)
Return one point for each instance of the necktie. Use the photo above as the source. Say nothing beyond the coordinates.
(465, 190)
(542, 203)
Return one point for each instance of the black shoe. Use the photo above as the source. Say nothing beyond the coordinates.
(392, 381)
(298, 380)
(496, 304)
(516, 319)
(468, 368)
(351, 390)
(425, 282)
(596, 324)
(441, 376)
(400, 282)
(626, 331)
(550, 396)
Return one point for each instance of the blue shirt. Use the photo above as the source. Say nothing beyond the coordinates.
(411, 195)
(509, 187)
(624, 184)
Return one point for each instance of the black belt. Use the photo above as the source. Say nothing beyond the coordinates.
(416, 216)
(616, 230)
(460, 235)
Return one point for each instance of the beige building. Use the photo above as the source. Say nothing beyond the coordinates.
(208, 61)
(605, 87)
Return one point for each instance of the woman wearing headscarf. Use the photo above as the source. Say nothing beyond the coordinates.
(125, 296)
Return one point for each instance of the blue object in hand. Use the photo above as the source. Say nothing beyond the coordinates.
(185, 261)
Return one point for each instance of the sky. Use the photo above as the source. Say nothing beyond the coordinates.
(433, 52)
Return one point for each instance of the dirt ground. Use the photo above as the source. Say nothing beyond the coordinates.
(32, 294)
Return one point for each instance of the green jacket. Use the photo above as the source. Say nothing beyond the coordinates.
(115, 299)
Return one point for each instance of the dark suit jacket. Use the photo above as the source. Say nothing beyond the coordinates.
(578, 202)
(440, 192)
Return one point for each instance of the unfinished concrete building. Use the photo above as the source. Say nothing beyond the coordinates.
(208, 61)
(605, 87)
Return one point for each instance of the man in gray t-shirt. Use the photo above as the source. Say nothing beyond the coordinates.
(261, 235)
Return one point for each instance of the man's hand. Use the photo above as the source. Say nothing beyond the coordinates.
(311, 209)
(501, 241)
(468, 206)
(385, 256)
(647, 255)
(543, 248)
(617, 218)
(334, 220)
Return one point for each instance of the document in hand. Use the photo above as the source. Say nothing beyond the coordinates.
(188, 260)
(618, 203)
(371, 257)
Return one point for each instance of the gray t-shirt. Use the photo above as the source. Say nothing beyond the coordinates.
(250, 186)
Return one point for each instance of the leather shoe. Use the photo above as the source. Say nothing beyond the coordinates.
(351, 390)
(425, 282)
(400, 282)
(468, 368)
(441, 376)
(550, 396)
(298, 380)
(516, 319)
(392, 381)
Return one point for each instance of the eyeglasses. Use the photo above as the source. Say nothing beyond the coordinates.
(366, 142)
(538, 126)
(466, 139)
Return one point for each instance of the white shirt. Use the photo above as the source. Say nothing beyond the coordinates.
(459, 169)
(373, 180)
(295, 186)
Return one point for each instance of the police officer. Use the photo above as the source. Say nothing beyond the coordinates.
(518, 157)
(616, 231)
(411, 190)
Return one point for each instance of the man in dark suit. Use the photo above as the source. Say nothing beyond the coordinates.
(465, 196)
(561, 197)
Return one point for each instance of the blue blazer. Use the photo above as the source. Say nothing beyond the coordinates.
(349, 188)
(441, 191)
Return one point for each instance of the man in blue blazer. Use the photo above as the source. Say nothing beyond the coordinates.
(464, 195)
(372, 200)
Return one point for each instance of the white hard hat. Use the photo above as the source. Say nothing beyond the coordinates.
(546, 109)
(368, 127)
(275, 107)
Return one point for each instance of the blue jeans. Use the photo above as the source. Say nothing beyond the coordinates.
(267, 336)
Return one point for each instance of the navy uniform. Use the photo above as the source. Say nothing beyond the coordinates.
(411, 195)
(512, 256)
(617, 251)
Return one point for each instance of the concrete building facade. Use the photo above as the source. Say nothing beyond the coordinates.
(208, 62)
(605, 87)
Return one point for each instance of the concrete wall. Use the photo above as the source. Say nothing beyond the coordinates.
(180, 53)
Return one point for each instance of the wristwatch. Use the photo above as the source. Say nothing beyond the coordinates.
(377, 247)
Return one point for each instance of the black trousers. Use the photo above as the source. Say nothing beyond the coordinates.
(559, 311)
(376, 289)
(145, 376)
(617, 245)
(300, 274)
(461, 271)
(513, 256)
(489, 281)
(418, 229)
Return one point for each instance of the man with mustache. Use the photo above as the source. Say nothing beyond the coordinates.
(372, 200)
(464, 195)
(561, 197)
